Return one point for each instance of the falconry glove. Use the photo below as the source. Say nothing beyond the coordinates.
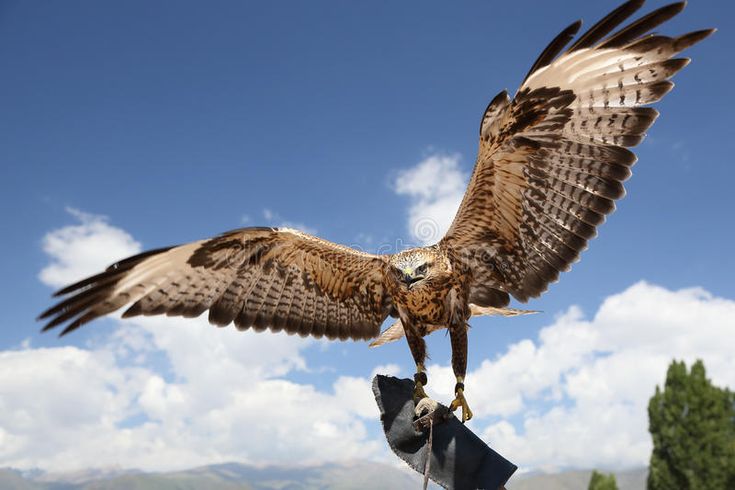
(459, 459)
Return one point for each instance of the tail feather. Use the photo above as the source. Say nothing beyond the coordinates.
(395, 331)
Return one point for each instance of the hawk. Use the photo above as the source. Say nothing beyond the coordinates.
(551, 163)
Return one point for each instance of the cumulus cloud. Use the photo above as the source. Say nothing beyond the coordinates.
(164, 393)
(81, 250)
(582, 387)
(435, 187)
(226, 399)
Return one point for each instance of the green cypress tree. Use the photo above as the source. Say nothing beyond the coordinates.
(599, 481)
(692, 423)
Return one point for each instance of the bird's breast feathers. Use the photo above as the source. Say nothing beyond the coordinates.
(437, 300)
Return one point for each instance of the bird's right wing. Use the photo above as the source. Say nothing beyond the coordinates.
(257, 277)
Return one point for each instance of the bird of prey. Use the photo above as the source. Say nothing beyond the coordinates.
(551, 163)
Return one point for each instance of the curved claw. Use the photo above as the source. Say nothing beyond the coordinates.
(460, 401)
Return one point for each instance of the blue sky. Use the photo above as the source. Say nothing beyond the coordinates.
(180, 120)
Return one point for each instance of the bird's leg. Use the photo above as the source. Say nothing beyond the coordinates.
(460, 401)
(418, 350)
(458, 335)
(419, 381)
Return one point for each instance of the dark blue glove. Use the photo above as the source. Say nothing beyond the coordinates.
(459, 459)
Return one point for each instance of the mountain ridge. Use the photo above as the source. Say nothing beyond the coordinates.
(357, 475)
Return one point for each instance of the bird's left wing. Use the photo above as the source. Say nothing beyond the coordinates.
(552, 161)
(273, 278)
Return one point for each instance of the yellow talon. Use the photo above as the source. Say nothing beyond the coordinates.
(460, 401)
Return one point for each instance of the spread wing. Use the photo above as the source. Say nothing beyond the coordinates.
(552, 161)
(257, 277)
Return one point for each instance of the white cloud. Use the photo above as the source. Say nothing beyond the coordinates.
(275, 219)
(71, 408)
(81, 250)
(435, 187)
(582, 388)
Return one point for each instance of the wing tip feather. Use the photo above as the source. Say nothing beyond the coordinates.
(554, 47)
(643, 25)
(606, 24)
(83, 295)
(691, 38)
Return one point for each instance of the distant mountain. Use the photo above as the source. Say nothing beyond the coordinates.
(230, 476)
(235, 476)
(14, 480)
(577, 480)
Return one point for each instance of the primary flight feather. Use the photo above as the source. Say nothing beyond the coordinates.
(551, 163)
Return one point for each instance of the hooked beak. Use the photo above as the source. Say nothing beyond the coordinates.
(409, 278)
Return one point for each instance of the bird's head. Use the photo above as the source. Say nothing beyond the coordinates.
(418, 264)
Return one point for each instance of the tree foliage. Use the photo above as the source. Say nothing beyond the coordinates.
(600, 481)
(692, 423)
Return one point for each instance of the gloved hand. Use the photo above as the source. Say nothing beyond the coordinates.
(459, 459)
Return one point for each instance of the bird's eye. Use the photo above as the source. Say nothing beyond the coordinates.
(421, 269)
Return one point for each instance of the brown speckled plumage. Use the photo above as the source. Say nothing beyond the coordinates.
(551, 163)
